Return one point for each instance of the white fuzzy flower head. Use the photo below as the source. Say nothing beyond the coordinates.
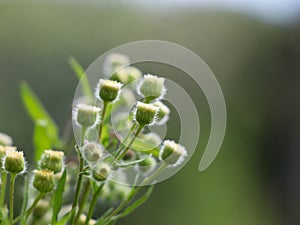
(14, 162)
(86, 115)
(113, 62)
(92, 152)
(172, 153)
(108, 90)
(152, 87)
(145, 114)
(5, 140)
(163, 114)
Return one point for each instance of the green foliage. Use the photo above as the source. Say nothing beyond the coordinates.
(58, 196)
(46, 134)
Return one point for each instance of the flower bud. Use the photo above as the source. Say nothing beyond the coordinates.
(52, 160)
(147, 165)
(86, 115)
(172, 153)
(3, 151)
(14, 162)
(163, 114)
(127, 75)
(108, 90)
(92, 152)
(152, 87)
(5, 140)
(113, 62)
(145, 114)
(101, 172)
(43, 180)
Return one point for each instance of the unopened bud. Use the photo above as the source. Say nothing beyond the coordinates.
(5, 140)
(43, 180)
(92, 152)
(152, 87)
(5, 149)
(163, 114)
(172, 153)
(145, 114)
(108, 90)
(101, 172)
(14, 162)
(86, 115)
(127, 75)
(52, 160)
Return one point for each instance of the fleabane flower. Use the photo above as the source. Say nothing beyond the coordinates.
(152, 87)
(145, 114)
(172, 153)
(14, 162)
(113, 62)
(163, 114)
(5, 140)
(43, 180)
(92, 152)
(86, 115)
(108, 90)
(52, 160)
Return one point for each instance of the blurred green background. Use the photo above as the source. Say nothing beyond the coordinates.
(255, 178)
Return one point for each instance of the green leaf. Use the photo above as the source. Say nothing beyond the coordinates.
(137, 203)
(45, 127)
(103, 217)
(58, 196)
(78, 70)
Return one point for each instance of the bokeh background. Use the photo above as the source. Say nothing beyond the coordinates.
(253, 47)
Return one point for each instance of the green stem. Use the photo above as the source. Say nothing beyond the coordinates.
(11, 203)
(134, 192)
(3, 188)
(78, 187)
(93, 204)
(82, 136)
(102, 119)
(29, 210)
(122, 154)
(128, 135)
(83, 200)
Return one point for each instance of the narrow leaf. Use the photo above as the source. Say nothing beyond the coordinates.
(40, 138)
(25, 200)
(103, 217)
(78, 70)
(58, 196)
(63, 220)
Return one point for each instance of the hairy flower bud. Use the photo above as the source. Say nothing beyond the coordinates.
(92, 152)
(163, 114)
(52, 160)
(86, 115)
(172, 153)
(113, 62)
(43, 180)
(14, 162)
(152, 87)
(127, 75)
(145, 114)
(5, 140)
(5, 149)
(101, 172)
(108, 90)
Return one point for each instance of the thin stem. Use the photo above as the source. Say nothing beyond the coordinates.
(11, 203)
(83, 199)
(82, 136)
(123, 144)
(3, 188)
(122, 154)
(29, 210)
(134, 192)
(78, 187)
(102, 119)
(93, 204)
